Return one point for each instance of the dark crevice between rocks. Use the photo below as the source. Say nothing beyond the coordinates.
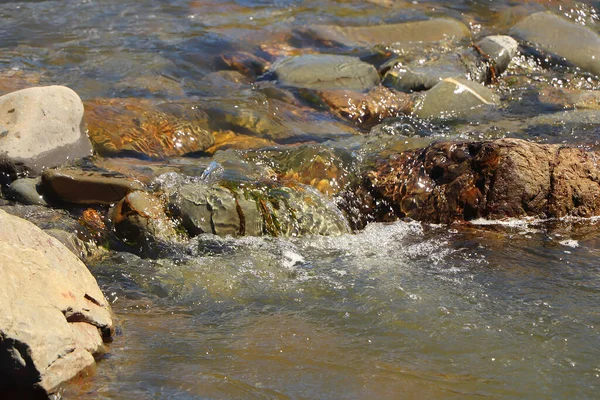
(18, 375)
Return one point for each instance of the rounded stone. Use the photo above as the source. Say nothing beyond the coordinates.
(324, 71)
(40, 128)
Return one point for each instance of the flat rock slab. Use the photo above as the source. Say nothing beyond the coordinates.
(324, 71)
(79, 186)
(402, 34)
(460, 181)
(552, 35)
(41, 127)
(54, 317)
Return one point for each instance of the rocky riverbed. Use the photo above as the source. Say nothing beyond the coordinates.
(228, 143)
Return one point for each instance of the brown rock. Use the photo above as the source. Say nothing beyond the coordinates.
(368, 108)
(460, 181)
(135, 126)
(88, 187)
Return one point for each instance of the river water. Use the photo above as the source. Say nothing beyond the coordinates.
(400, 310)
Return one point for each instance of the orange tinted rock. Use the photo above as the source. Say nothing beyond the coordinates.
(136, 126)
(230, 140)
(368, 108)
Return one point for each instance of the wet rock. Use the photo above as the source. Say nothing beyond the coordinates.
(13, 80)
(138, 127)
(454, 98)
(483, 62)
(367, 109)
(564, 98)
(276, 120)
(150, 86)
(327, 169)
(140, 221)
(54, 316)
(567, 42)
(230, 140)
(40, 128)
(325, 72)
(80, 186)
(27, 191)
(461, 181)
(251, 208)
(85, 250)
(405, 34)
(246, 63)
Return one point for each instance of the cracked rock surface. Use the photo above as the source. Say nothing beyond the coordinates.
(54, 318)
(460, 181)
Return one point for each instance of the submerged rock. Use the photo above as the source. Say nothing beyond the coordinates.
(550, 35)
(54, 317)
(325, 72)
(246, 63)
(138, 127)
(39, 128)
(483, 62)
(461, 181)
(247, 208)
(367, 109)
(415, 33)
(455, 98)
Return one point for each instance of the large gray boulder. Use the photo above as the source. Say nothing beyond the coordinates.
(41, 127)
(564, 40)
(54, 317)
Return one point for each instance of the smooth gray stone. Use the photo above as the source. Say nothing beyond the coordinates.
(552, 35)
(324, 72)
(454, 98)
(41, 127)
(27, 191)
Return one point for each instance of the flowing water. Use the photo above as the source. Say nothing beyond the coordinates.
(401, 310)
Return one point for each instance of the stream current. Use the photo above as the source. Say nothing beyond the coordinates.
(400, 310)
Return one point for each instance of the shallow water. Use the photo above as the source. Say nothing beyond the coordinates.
(403, 310)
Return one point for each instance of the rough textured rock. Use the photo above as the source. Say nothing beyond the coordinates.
(54, 317)
(138, 127)
(569, 42)
(455, 98)
(401, 34)
(324, 71)
(39, 128)
(80, 186)
(458, 181)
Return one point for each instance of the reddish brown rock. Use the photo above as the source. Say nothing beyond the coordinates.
(460, 181)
